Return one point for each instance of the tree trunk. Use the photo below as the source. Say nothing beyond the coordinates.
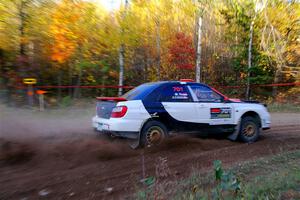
(235, 55)
(158, 49)
(198, 54)
(249, 59)
(103, 83)
(276, 79)
(147, 63)
(77, 90)
(236, 34)
(70, 76)
(22, 28)
(59, 82)
(121, 73)
(122, 55)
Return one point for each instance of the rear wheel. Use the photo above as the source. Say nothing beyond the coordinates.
(250, 129)
(153, 134)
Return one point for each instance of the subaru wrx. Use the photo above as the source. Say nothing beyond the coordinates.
(154, 111)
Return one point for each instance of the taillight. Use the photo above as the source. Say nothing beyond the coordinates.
(119, 111)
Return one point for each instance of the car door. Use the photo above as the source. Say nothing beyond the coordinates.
(211, 107)
(178, 102)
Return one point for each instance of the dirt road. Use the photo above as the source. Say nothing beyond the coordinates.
(58, 156)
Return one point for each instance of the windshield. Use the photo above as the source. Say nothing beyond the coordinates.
(140, 92)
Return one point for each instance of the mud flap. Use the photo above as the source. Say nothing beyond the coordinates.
(235, 134)
(135, 143)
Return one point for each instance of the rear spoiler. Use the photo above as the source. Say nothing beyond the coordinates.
(117, 99)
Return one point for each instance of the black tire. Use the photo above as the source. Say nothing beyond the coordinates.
(153, 134)
(250, 130)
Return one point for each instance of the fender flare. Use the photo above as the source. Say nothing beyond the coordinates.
(235, 134)
(141, 127)
(152, 118)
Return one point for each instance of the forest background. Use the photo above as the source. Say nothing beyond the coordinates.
(223, 43)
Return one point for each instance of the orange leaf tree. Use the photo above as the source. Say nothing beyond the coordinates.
(182, 52)
(64, 34)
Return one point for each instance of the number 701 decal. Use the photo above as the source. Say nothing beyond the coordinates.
(178, 89)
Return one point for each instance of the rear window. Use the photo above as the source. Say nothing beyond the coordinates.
(140, 92)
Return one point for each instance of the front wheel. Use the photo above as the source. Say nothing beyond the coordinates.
(250, 130)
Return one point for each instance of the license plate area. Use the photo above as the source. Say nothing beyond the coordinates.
(102, 127)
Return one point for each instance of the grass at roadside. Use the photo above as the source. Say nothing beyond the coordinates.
(275, 107)
(275, 177)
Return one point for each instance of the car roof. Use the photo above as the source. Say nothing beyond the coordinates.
(143, 91)
(160, 83)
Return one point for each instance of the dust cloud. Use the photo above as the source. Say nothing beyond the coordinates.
(57, 135)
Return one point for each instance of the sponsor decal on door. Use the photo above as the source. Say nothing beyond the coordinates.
(220, 113)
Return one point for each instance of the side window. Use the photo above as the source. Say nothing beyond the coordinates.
(205, 94)
(154, 96)
(175, 93)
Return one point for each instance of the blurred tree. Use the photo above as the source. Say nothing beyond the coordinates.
(280, 38)
(182, 54)
(79, 42)
(122, 48)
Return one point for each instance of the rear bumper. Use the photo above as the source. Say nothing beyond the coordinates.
(129, 135)
(115, 127)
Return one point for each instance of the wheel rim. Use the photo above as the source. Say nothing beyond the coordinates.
(249, 130)
(154, 135)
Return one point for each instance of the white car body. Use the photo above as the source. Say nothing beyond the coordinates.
(187, 113)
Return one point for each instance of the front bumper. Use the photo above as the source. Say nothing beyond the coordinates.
(266, 123)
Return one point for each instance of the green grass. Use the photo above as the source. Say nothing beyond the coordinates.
(275, 176)
(266, 178)
(275, 107)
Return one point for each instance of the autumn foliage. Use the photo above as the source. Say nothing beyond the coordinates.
(64, 18)
(77, 42)
(182, 52)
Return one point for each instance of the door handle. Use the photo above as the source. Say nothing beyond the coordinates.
(201, 106)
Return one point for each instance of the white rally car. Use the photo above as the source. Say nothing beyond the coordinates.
(153, 111)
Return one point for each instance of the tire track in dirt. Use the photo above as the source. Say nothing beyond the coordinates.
(123, 170)
(226, 152)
